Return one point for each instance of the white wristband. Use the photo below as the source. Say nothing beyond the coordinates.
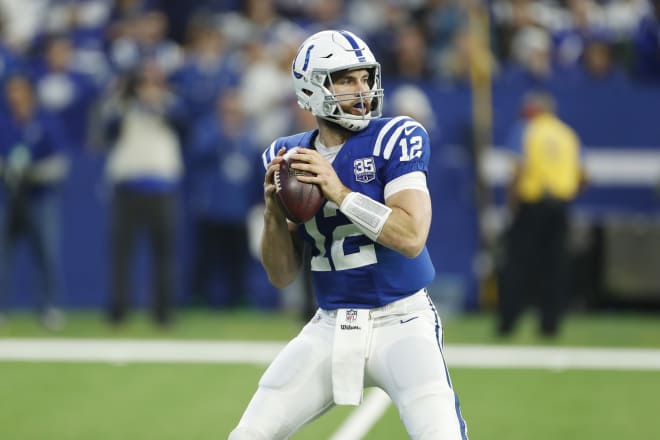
(366, 213)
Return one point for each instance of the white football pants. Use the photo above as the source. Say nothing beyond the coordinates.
(404, 358)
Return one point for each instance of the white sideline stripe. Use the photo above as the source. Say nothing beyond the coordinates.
(555, 358)
(124, 351)
(358, 424)
(262, 352)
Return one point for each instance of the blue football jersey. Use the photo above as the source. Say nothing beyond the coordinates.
(349, 269)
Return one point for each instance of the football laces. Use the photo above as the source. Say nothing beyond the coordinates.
(276, 180)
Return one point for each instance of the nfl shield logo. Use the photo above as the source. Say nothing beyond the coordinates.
(351, 315)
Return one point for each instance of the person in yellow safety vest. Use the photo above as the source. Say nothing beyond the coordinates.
(547, 176)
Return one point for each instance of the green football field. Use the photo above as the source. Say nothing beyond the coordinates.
(66, 400)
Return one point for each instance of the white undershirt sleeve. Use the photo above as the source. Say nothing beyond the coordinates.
(415, 180)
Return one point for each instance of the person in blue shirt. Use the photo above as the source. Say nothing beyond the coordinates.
(646, 46)
(208, 70)
(222, 188)
(11, 62)
(376, 325)
(32, 167)
(65, 92)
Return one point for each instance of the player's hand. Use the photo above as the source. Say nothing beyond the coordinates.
(273, 206)
(324, 174)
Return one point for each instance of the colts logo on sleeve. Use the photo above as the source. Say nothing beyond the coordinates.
(364, 169)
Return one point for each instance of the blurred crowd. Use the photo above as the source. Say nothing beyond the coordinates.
(78, 52)
(206, 85)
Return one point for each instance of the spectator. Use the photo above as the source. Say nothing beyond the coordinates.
(598, 65)
(622, 17)
(647, 46)
(21, 22)
(84, 20)
(466, 59)
(326, 14)
(144, 167)
(512, 16)
(65, 92)
(412, 56)
(382, 34)
(208, 69)
(548, 176)
(585, 23)
(442, 19)
(223, 184)
(145, 40)
(32, 166)
(123, 16)
(84, 23)
(531, 65)
(258, 20)
(10, 60)
(409, 100)
(263, 86)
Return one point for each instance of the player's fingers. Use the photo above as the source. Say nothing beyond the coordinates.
(276, 160)
(270, 173)
(301, 157)
(268, 177)
(307, 179)
(269, 190)
(311, 164)
(306, 154)
(302, 166)
(273, 166)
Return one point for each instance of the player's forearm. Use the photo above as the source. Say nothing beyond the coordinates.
(401, 224)
(279, 255)
(405, 232)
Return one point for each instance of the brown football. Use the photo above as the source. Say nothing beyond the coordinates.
(301, 201)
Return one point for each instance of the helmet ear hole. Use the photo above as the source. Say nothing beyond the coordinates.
(307, 92)
(372, 77)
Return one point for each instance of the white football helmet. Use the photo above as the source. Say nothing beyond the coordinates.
(323, 54)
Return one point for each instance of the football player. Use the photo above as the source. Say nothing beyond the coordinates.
(375, 325)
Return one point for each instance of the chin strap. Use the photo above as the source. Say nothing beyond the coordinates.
(348, 124)
(366, 213)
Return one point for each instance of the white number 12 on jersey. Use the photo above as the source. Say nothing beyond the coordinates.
(341, 261)
(415, 148)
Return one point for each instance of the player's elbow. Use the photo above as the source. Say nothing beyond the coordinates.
(282, 277)
(412, 242)
(409, 245)
(281, 268)
(412, 248)
(281, 280)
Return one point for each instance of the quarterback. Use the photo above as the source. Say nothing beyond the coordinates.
(375, 325)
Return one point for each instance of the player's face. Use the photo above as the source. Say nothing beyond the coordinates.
(352, 88)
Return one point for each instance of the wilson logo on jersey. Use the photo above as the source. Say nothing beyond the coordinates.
(364, 169)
